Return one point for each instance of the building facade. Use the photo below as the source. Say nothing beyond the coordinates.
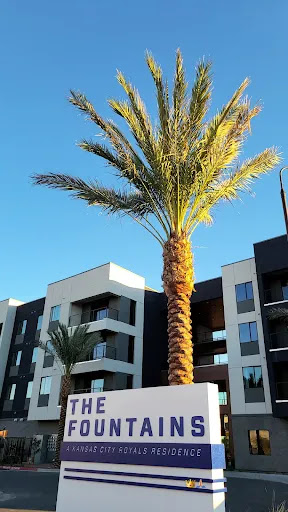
(236, 346)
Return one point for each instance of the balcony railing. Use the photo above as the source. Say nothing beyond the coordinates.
(93, 316)
(102, 350)
(275, 295)
(90, 390)
(279, 340)
(210, 337)
(282, 390)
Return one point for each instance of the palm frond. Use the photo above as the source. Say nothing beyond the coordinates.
(200, 97)
(109, 199)
(71, 345)
(162, 97)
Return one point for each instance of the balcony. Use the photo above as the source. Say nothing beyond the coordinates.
(211, 336)
(90, 390)
(102, 350)
(93, 316)
(279, 340)
(282, 391)
(279, 294)
(211, 360)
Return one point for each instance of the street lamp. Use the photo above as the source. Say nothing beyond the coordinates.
(283, 198)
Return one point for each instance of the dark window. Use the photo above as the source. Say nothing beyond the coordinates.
(131, 349)
(284, 285)
(244, 291)
(39, 322)
(1, 327)
(248, 332)
(129, 381)
(259, 442)
(252, 376)
(132, 312)
(22, 327)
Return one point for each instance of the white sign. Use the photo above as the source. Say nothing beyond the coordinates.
(139, 448)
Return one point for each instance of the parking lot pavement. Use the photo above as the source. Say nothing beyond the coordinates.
(37, 491)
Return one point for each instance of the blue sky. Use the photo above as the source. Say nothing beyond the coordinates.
(48, 48)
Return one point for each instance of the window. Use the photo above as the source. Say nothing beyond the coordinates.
(219, 335)
(131, 349)
(259, 442)
(16, 358)
(222, 397)
(22, 327)
(50, 347)
(45, 385)
(244, 291)
(55, 313)
(221, 358)
(248, 332)
(1, 327)
(252, 376)
(132, 316)
(34, 355)
(39, 322)
(99, 351)
(11, 392)
(29, 389)
(97, 385)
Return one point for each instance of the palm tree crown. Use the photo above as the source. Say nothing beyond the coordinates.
(71, 346)
(184, 165)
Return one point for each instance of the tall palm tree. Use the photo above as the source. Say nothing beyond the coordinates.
(177, 172)
(69, 346)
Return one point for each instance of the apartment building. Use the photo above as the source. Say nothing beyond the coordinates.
(110, 300)
(236, 345)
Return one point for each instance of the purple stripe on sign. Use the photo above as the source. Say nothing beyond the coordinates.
(144, 475)
(202, 456)
(142, 484)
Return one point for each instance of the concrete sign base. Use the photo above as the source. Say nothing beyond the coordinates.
(142, 449)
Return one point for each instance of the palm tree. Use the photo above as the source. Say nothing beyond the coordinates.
(69, 346)
(176, 173)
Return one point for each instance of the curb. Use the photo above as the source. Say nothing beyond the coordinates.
(270, 477)
(34, 469)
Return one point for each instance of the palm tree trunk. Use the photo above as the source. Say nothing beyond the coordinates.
(65, 390)
(178, 282)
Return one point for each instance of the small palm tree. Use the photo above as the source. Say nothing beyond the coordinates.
(69, 346)
(177, 172)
